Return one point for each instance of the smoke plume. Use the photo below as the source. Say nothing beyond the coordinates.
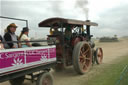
(82, 4)
(56, 8)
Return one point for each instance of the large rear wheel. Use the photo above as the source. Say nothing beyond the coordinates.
(82, 57)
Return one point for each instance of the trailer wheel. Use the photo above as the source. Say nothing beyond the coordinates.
(82, 57)
(17, 81)
(98, 55)
(45, 79)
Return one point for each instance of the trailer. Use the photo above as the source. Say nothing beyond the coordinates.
(17, 64)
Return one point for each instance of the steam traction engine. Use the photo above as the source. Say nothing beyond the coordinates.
(73, 43)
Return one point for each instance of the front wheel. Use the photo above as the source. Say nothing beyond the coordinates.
(98, 55)
(45, 79)
(82, 57)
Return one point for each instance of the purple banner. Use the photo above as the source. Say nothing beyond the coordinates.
(36, 55)
(19, 59)
(8, 59)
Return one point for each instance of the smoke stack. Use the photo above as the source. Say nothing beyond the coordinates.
(88, 20)
(88, 29)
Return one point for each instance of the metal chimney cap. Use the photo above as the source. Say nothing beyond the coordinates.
(88, 20)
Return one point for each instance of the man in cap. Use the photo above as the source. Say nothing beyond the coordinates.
(11, 36)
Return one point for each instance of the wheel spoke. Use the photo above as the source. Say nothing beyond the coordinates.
(85, 66)
(85, 53)
(81, 54)
(83, 63)
(81, 59)
(87, 58)
(82, 48)
(99, 53)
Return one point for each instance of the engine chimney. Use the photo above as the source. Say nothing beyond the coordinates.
(88, 30)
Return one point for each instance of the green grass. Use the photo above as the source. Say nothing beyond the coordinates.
(124, 80)
(110, 74)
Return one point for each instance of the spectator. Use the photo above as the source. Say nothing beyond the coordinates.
(11, 36)
(1, 38)
(1, 45)
(24, 37)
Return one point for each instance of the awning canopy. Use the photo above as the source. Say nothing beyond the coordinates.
(51, 22)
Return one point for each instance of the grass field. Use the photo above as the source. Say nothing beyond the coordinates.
(124, 78)
(110, 74)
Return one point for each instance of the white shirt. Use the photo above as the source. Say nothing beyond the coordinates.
(24, 38)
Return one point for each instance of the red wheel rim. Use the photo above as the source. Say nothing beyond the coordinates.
(85, 57)
(100, 55)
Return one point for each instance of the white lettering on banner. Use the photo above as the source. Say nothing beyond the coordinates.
(1, 56)
(36, 52)
(14, 55)
(52, 50)
(42, 52)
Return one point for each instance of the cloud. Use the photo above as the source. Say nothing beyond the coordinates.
(115, 20)
(33, 11)
(112, 21)
(36, 11)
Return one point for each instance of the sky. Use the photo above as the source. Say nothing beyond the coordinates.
(111, 15)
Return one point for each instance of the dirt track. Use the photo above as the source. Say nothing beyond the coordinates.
(112, 52)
